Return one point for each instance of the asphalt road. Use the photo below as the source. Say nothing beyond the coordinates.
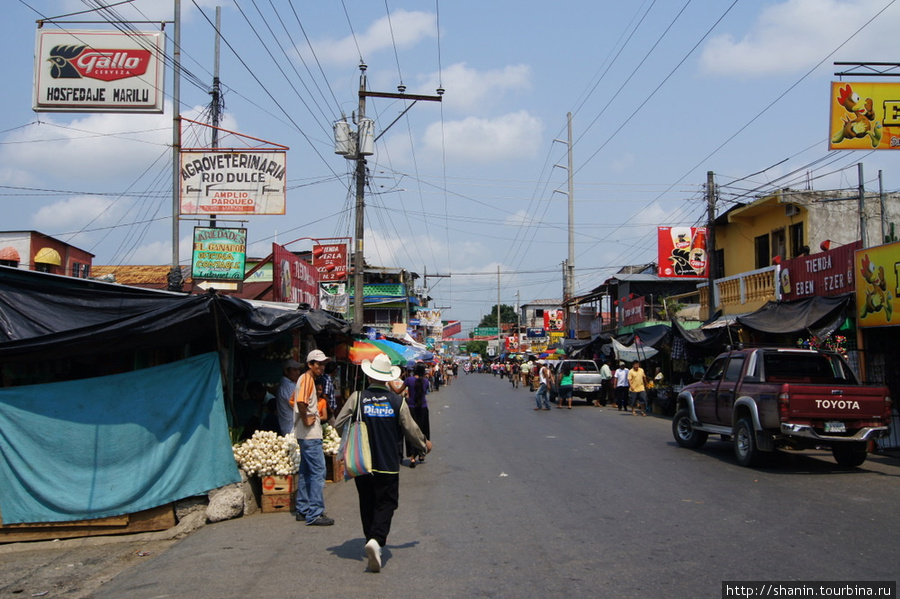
(567, 503)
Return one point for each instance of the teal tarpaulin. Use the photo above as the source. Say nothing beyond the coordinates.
(113, 445)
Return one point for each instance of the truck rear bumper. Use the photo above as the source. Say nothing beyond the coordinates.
(808, 432)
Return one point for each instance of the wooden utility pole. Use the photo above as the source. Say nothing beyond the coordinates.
(364, 129)
(711, 241)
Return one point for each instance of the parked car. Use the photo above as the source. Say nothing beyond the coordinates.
(764, 399)
(586, 379)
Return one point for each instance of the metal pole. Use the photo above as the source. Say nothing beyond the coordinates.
(570, 264)
(499, 343)
(862, 207)
(710, 241)
(176, 132)
(358, 254)
(881, 200)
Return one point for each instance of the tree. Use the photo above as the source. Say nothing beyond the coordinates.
(476, 347)
(508, 315)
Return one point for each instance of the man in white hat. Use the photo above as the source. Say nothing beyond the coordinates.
(310, 502)
(387, 417)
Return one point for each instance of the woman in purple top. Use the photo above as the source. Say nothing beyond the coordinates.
(417, 386)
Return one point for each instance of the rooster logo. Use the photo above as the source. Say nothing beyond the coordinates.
(61, 59)
(860, 120)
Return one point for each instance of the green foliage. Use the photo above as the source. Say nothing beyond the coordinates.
(477, 347)
(507, 314)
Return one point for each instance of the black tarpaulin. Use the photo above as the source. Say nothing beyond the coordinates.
(49, 316)
(702, 339)
(817, 316)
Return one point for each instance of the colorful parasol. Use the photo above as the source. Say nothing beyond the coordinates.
(367, 350)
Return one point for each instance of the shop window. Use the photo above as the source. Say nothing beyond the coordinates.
(762, 251)
(13, 263)
(798, 246)
(779, 244)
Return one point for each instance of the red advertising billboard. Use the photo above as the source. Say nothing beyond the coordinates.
(682, 252)
(825, 273)
(293, 279)
(330, 260)
(554, 320)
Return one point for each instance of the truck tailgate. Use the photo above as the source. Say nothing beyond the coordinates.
(834, 402)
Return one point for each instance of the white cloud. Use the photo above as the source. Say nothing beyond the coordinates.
(76, 213)
(797, 34)
(96, 148)
(472, 90)
(508, 137)
(405, 29)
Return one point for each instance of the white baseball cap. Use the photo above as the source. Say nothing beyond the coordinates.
(317, 355)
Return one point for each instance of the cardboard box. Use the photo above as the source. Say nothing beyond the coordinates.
(283, 502)
(279, 485)
(334, 469)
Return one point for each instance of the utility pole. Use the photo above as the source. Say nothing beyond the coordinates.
(569, 272)
(175, 279)
(365, 146)
(711, 241)
(216, 102)
(862, 207)
(499, 330)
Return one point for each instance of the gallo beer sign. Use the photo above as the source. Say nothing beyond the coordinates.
(682, 251)
(98, 71)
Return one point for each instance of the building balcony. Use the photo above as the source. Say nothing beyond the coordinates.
(742, 293)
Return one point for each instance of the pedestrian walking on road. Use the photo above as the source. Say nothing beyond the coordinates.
(417, 389)
(621, 377)
(545, 376)
(637, 388)
(565, 387)
(387, 417)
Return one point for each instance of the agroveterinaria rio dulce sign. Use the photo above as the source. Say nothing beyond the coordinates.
(232, 182)
(98, 71)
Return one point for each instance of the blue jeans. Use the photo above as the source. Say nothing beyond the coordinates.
(311, 480)
(541, 397)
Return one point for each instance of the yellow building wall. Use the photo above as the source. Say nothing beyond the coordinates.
(738, 238)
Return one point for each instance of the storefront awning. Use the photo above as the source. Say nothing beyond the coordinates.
(818, 316)
(48, 256)
(10, 254)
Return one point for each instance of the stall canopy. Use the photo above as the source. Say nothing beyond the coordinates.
(816, 315)
(47, 316)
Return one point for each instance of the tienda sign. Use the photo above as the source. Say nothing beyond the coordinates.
(98, 71)
(330, 260)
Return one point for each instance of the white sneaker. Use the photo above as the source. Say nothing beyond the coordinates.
(373, 551)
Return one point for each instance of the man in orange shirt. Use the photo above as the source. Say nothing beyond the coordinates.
(308, 430)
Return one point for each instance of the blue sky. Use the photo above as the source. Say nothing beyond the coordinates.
(661, 93)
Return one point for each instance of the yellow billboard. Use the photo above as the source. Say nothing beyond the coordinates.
(878, 285)
(864, 116)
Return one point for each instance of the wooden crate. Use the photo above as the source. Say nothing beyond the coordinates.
(279, 485)
(283, 502)
(334, 469)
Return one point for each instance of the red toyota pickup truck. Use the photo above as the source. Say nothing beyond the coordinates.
(763, 399)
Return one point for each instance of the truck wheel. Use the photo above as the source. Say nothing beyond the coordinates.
(849, 454)
(685, 433)
(745, 449)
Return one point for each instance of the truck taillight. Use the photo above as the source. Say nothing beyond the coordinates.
(784, 401)
(888, 408)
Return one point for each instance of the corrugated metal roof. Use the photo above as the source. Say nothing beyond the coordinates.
(139, 275)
